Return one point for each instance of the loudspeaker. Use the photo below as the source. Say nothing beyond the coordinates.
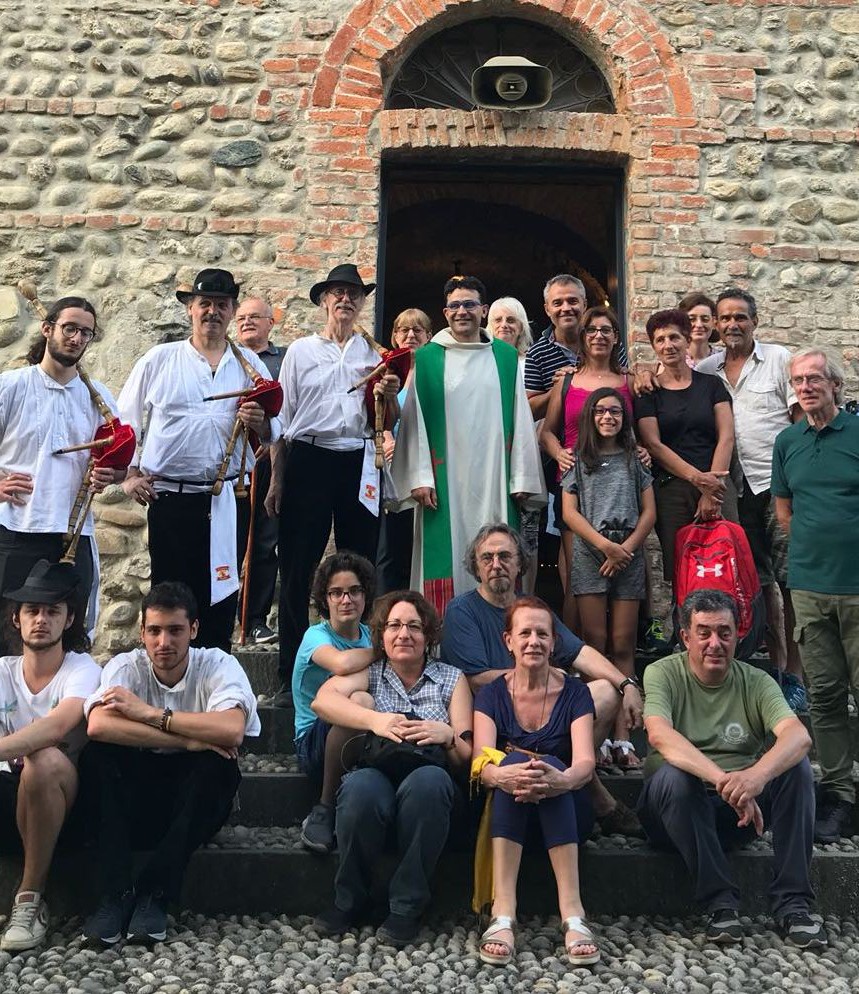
(510, 82)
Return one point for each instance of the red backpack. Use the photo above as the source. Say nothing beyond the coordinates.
(716, 555)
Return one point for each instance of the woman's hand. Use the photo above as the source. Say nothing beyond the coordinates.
(388, 726)
(711, 484)
(424, 733)
(565, 459)
(388, 445)
(387, 387)
(708, 508)
(643, 456)
(548, 782)
(514, 778)
(617, 558)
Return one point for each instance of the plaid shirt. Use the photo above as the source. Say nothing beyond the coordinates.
(429, 698)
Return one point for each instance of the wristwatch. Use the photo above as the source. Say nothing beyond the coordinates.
(629, 681)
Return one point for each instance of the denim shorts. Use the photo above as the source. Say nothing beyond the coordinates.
(310, 748)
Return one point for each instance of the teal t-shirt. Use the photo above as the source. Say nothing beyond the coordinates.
(728, 723)
(307, 677)
(819, 472)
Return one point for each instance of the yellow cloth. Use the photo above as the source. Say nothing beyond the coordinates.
(483, 885)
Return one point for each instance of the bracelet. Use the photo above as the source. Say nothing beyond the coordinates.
(629, 681)
(165, 720)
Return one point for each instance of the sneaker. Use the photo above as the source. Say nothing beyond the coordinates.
(261, 635)
(335, 922)
(149, 921)
(317, 829)
(282, 697)
(652, 640)
(107, 924)
(834, 818)
(794, 693)
(804, 931)
(621, 820)
(398, 930)
(28, 923)
(723, 925)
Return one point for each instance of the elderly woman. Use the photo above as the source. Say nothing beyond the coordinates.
(544, 719)
(409, 698)
(702, 315)
(687, 426)
(322, 469)
(412, 330)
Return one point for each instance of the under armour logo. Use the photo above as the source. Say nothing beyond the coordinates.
(222, 572)
(715, 570)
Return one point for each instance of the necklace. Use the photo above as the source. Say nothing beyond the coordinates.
(542, 709)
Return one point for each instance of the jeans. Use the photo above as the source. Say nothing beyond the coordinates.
(679, 812)
(368, 806)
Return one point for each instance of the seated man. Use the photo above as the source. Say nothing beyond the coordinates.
(710, 782)
(472, 641)
(166, 721)
(42, 694)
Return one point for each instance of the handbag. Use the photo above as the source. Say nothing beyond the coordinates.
(398, 759)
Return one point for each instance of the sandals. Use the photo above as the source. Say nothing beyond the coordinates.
(499, 923)
(625, 756)
(605, 760)
(576, 924)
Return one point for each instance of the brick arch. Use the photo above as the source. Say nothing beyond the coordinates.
(625, 43)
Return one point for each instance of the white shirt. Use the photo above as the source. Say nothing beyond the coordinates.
(316, 375)
(762, 400)
(185, 438)
(37, 416)
(213, 681)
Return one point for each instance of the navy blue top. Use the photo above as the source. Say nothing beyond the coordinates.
(553, 738)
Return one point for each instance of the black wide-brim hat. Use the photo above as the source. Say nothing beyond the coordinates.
(344, 273)
(211, 283)
(48, 583)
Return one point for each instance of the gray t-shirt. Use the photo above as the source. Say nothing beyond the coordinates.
(609, 497)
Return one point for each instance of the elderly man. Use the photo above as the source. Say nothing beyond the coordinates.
(466, 451)
(764, 404)
(324, 470)
(46, 406)
(816, 486)
(254, 321)
(192, 530)
(472, 641)
(166, 723)
(42, 694)
(711, 783)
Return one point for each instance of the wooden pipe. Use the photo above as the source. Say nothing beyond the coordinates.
(96, 443)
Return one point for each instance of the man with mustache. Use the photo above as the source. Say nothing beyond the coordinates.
(193, 533)
(711, 783)
(43, 407)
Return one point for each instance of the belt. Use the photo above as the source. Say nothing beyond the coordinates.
(320, 440)
(202, 486)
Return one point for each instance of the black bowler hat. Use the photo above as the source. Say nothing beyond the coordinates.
(344, 273)
(48, 583)
(211, 283)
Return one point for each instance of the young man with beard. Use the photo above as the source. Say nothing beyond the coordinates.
(42, 694)
(46, 406)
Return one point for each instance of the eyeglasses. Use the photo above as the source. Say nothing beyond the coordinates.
(412, 627)
(69, 330)
(338, 594)
(487, 558)
(417, 332)
(352, 292)
(812, 380)
(468, 305)
(612, 412)
(604, 331)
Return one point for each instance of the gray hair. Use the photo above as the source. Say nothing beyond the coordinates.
(738, 293)
(517, 308)
(495, 528)
(832, 368)
(709, 602)
(565, 279)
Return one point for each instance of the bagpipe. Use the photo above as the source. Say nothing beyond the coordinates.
(113, 447)
(396, 361)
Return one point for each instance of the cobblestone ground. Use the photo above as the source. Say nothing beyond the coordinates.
(268, 954)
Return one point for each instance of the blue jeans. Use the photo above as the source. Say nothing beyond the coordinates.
(368, 806)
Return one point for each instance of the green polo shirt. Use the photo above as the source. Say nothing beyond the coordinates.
(819, 472)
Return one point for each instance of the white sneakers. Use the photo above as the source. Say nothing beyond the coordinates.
(28, 922)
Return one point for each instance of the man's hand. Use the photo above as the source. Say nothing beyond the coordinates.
(750, 814)
(100, 478)
(559, 374)
(198, 745)
(389, 443)
(272, 498)
(121, 701)
(387, 387)
(740, 787)
(251, 415)
(425, 497)
(632, 706)
(424, 733)
(139, 487)
(15, 487)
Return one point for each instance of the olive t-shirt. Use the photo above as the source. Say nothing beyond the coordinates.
(728, 723)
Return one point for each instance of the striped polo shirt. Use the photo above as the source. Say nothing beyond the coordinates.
(547, 355)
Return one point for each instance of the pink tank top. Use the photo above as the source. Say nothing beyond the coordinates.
(575, 402)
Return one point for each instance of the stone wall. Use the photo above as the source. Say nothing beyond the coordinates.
(141, 141)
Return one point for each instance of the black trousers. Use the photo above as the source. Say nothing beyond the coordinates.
(170, 803)
(318, 485)
(19, 553)
(179, 550)
(263, 563)
(394, 554)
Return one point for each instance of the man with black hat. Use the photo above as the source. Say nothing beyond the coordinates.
(192, 530)
(42, 694)
(323, 468)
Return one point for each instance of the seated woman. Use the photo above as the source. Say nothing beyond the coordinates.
(417, 700)
(544, 718)
(341, 593)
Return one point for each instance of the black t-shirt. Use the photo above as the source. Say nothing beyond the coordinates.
(687, 418)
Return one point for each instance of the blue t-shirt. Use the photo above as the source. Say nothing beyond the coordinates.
(471, 637)
(307, 677)
(553, 739)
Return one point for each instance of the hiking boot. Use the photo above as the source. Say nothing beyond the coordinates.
(333, 921)
(149, 922)
(28, 923)
(802, 930)
(621, 820)
(834, 818)
(398, 930)
(106, 925)
(261, 635)
(724, 926)
(317, 829)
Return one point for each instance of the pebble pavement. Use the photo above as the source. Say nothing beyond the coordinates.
(279, 955)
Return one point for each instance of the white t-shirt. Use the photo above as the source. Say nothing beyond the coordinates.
(213, 681)
(78, 676)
